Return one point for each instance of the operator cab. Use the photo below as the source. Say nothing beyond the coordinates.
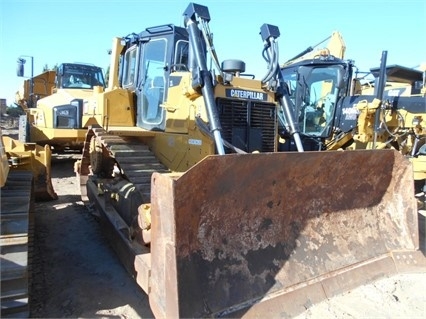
(315, 88)
(79, 76)
(145, 66)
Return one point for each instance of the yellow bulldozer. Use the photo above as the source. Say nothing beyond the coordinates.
(16, 221)
(33, 158)
(53, 102)
(24, 178)
(182, 164)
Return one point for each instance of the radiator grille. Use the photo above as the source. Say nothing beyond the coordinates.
(248, 125)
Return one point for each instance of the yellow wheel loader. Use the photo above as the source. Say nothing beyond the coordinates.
(54, 110)
(182, 164)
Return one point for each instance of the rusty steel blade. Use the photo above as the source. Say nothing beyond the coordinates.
(236, 230)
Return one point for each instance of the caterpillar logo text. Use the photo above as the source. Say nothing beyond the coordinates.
(243, 94)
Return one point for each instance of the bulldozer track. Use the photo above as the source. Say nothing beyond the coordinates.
(17, 232)
(123, 166)
(134, 159)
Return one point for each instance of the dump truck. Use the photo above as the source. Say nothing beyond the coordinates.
(182, 164)
(35, 88)
(400, 81)
(53, 110)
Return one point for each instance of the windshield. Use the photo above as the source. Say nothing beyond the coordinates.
(80, 76)
(314, 92)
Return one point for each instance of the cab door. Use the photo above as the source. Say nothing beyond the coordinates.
(150, 90)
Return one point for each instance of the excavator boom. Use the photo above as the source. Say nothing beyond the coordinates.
(335, 46)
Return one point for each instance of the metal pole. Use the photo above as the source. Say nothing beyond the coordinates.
(32, 82)
(20, 58)
(380, 88)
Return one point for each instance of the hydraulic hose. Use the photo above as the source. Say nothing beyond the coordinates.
(207, 85)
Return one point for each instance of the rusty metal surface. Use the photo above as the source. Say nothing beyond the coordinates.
(238, 228)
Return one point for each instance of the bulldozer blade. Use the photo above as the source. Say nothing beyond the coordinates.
(261, 234)
(34, 158)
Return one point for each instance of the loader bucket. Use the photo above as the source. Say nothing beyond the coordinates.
(34, 158)
(267, 235)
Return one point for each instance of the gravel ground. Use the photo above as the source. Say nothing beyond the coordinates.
(76, 274)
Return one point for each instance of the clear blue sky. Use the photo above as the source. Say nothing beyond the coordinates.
(58, 31)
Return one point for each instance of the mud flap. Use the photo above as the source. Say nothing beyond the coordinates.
(238, 235)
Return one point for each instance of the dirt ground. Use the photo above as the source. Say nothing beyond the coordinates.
(75, 274)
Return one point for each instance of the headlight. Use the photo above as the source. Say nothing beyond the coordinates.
(68, 115)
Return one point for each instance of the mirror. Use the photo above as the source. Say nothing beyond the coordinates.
(20, 67)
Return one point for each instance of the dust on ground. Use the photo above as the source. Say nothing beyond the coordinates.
(75, 273)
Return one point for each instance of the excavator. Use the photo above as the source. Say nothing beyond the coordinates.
(336, 47)
(182, 165)
(53, 102)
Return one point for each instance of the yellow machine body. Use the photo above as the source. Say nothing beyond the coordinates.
(43, 85)
(402, 127)
(54, 105)
(249, 233)
(33, 158)
(24, 177)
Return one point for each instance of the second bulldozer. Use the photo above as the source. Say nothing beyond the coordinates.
(24, 177)
(181, 163)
